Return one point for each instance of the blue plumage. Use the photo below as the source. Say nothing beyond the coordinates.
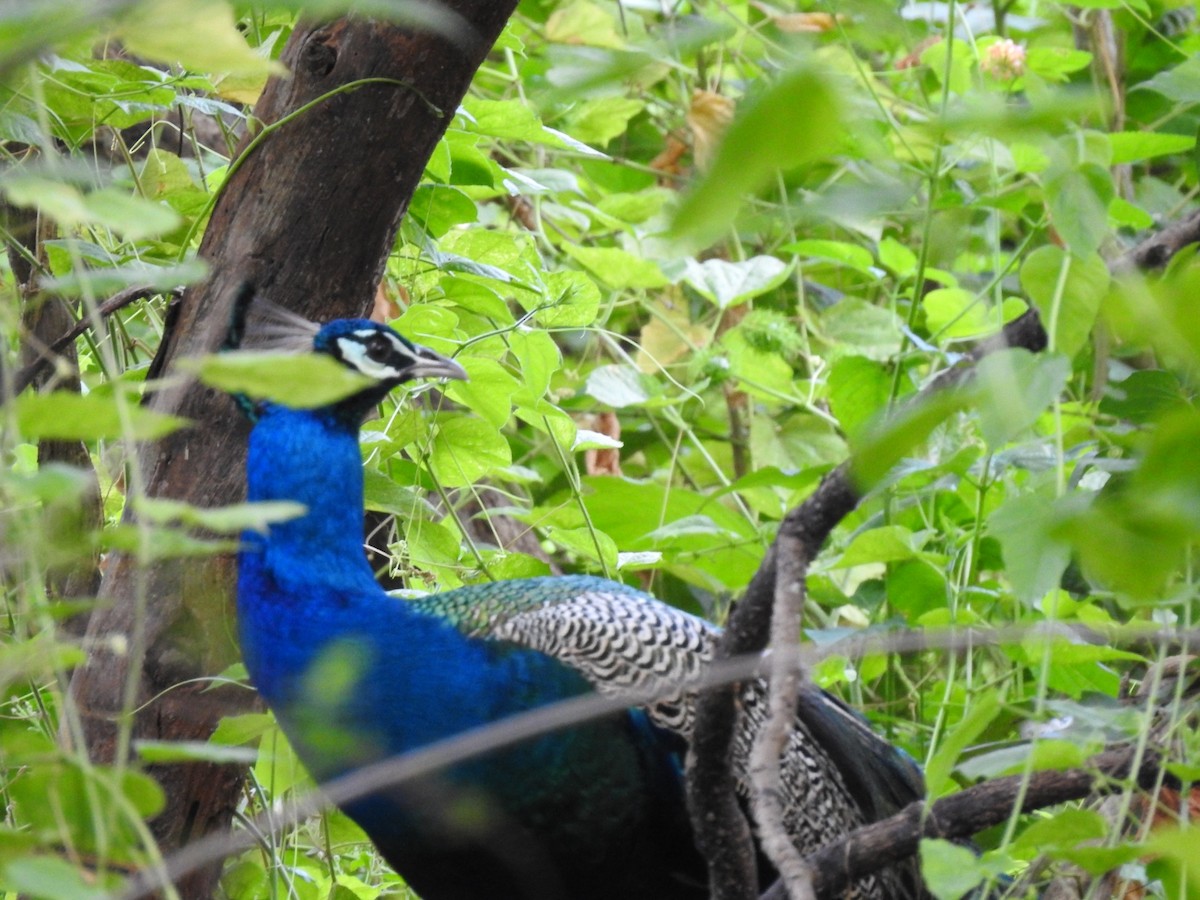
(355, 676)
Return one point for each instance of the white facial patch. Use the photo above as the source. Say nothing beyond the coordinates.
(355, 353)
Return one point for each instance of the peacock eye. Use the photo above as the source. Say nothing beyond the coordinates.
(379, 348)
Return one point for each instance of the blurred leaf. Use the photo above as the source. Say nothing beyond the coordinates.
(300, 382)
(1033, 557)
(950, 870)
(197, 34)
(884, 443)
(620, 386)
(572, 300)
(1144, 396)
(985, 707)
(1134, 146)
(193, 751)
(889, 543)
(599, 121)
(790, 123)
(1078, 197)
(230, 519)
(859, 389)
(1014, 388)
(48, 878)
(68, 416)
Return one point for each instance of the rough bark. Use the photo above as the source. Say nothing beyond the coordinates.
(308, 218)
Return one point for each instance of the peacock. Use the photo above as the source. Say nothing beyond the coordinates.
(355, 675)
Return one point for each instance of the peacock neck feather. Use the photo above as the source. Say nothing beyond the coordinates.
(310, 457)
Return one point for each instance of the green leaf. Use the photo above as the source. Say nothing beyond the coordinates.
(199, 35)
(984, 709)
(572, 300)
(732, 283)
(1014, 388)
(886, 544)
(515, 120)
(132, 217)
(300, 382)
(581, 22)
(1144, 396)
(440, 208)
(1181, 83)
(1078, 197)
(1178, 847)
(1134, 146)
(230, 519)
(488, 391)
(68, 416)
(48, 878)
(89, 282)
(872, 331)
(897, 257)
(950, 870)
(938, 54)
(599, 121)
(466, 449)
(885, 442)
(859, 389)
(1034, 558)
(242, 729)
(617, 268)
(1068, 291)
(1056, 63)
(538, 358)
(35, 658)
(193, 751)
(957, 314)
(594, 545)
(842, 252)
(793, 122)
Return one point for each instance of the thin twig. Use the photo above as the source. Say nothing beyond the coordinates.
(117, 301)
(766, 757)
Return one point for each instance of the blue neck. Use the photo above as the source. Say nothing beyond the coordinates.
(313, 458)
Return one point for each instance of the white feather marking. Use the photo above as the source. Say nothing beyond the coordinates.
(355, 354)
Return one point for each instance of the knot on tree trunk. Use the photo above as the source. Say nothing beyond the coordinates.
(320, 53)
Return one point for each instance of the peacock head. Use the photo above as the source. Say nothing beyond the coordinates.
(381, 354)
(386, 358)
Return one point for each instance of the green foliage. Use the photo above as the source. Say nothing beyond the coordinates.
(725, 245)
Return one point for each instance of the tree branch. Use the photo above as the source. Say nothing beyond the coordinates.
(721, 831)
(875, 847)
(1156, 251)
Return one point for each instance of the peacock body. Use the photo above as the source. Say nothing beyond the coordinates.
(355, 676)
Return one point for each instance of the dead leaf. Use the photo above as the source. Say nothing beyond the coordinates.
(709, 116)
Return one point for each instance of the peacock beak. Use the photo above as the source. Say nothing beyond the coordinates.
(433, 365)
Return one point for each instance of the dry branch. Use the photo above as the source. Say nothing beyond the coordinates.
(874, 847)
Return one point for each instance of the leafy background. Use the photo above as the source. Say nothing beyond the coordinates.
(690, 256)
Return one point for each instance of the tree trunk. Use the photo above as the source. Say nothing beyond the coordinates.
(308, 218)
